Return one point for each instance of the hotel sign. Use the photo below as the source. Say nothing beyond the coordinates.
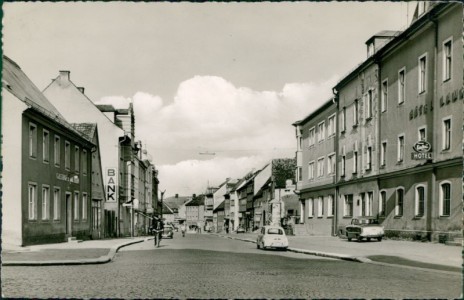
(422, 151)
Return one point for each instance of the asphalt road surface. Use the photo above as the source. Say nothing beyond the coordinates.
(204, 266)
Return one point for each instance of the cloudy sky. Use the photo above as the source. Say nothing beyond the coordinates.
(222, 78)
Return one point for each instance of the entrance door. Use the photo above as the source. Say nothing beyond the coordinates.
(68, 215)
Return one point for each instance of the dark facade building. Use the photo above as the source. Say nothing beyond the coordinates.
(47, 187)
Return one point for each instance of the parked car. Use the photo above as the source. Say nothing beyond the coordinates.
(364, 228)
(272, 237)
(168, 232)
(240, 229)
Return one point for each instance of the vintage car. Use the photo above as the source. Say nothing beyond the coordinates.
(240, 229)
(364, 228)
(168, 232)
(272, 237)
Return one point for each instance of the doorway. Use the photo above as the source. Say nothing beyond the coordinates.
(68, 215)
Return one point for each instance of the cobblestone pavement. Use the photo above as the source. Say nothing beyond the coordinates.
(55, 254)
(203, 266)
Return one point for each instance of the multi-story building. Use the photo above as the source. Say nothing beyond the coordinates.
(194, 212)
(69, 99)
(399, 147)
(209, 207)
(47, 167)
(234, 205)
(421, 83)
(316, 168)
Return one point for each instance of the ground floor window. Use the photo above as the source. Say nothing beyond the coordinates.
(330, 206)
(310, 208)
(45, 202)
(348, 206)
(76, 206)
(382, 203)
(420, 201)
(32, 201)
(445, 199)
(399, 202)
(56, 203)
(84, 206)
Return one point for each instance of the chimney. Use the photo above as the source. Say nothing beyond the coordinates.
(177, 195)
(64, 76)
(81, 89)
(193, 196)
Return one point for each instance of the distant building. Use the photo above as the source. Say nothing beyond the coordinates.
(47, 167)
(195, 211)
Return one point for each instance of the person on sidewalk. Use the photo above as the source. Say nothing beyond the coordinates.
(183, 229)
(158, 227)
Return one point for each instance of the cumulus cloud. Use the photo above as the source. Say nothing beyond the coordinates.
(242, 126)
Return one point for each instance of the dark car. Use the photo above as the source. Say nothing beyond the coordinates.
(168, 232)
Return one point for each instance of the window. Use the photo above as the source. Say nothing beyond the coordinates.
(76, 206)
(369, 103)
(384, 98)
(399, 202)
(300, 142)
(330, 206)
(422, 134)
(45, 202)
(311, 170)
(383, 153)
(312, 137)
(445, 199)
(447, 60)
(67, 155)
(422, 73)
(76, 159)
(321, 131)
(56, 203)
(401, 86)
(46, 146)
(348, 206)
(420, 201)
(369, 158)
(32, 140)
(57, 149)
(342, 167)
(84, 162)
(355, 113)
(382, 203)
(300, 174)
(320, 167)
(331, 164)
(343, 119)
(32, 197)
(446, 134)
(331, 126)
(401, 148)
(310, 208)
(320, 206)
(355, 162)
(370, 203)
(84, 206)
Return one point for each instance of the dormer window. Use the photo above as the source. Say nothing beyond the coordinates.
(370, 49)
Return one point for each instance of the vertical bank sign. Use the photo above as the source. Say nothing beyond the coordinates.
(111, 184)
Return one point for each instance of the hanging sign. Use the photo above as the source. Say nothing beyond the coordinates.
(422, 151)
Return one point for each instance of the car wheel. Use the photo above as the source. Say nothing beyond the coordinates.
(358, 238)
(257, 245)
(379, 239)
(262, 246)
(368, 239)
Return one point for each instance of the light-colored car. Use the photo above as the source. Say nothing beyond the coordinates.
(168, 232)
(240, 229)
(272, 237)
(364, 228)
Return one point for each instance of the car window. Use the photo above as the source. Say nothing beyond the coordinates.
(275, 231)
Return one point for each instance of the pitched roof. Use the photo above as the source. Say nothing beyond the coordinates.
(87, 129)
(176, 202)
(166, 209)
(197, 201)
(16, 82)
(220, 207)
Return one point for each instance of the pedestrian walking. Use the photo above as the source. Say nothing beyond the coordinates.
(183, 229)
(158, 227)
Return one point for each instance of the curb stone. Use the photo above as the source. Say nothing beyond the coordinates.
(87, 261)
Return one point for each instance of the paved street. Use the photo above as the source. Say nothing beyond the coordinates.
(205, 266)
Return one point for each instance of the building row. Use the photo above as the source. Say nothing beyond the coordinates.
(261, 197)
(389, 143)
(70, 168)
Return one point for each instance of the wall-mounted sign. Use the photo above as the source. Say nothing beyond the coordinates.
(111, 184)
(64, 177)
(422, 151)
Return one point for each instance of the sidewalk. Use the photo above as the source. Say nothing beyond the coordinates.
(406, 253)
(67, 253)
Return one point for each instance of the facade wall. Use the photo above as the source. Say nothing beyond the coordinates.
(74, 216)
(65, 96)
(318, 218)
(12, 205)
